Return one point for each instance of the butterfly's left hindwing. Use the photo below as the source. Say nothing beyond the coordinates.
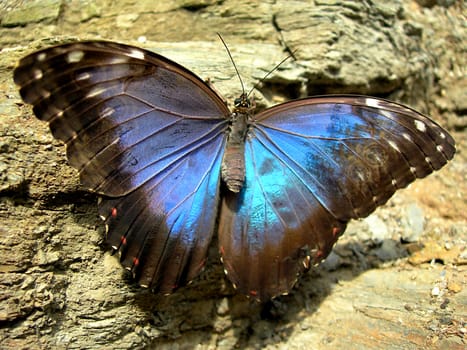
(163, 229)
(311, 166)
(145, 133)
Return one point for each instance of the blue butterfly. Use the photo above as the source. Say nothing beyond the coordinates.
(172, 163)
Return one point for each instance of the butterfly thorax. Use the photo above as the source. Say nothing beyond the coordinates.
(233, 163)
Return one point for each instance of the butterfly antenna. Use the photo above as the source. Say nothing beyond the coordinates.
(292, 54)
(233, 62)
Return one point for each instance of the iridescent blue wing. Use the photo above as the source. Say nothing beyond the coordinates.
(146, 134)
(311, 166)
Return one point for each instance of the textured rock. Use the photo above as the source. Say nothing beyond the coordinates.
(59, 288)
(45, 11)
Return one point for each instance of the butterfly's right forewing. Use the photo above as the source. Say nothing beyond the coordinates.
(311, 166)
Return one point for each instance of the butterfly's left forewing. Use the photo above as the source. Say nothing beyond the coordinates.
(123, 112)
(145, 133)
(311, 166)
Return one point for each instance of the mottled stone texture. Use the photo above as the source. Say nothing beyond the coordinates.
(59, 288)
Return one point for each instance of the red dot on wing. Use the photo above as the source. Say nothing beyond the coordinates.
(319, 255)
(336, 231)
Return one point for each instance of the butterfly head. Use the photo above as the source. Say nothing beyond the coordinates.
(243, 104)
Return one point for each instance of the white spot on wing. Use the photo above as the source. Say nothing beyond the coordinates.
(385, 113)
(394, 182)
(74, 135)
(372, 102)
(137, 54)
(41, 57)
(45, 94)
(83, 76)
(440, 148)
(406, 136)
(118, 60)
(37, 74)
(306, 262)
(107, 112)
(95, 91)
(420, 125)
(74, 56)
(442, 135)
(413, 170)
(393, 145)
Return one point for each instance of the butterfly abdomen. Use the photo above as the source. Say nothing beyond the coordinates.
(233, 163)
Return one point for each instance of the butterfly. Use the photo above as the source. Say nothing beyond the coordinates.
(172, 164)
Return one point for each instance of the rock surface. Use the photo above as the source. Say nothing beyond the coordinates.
(59, 288)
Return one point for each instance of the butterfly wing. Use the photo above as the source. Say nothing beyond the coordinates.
(164, 227)
(145, 133)
(311, 166)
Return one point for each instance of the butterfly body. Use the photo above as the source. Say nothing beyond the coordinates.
(233, 163)
(156, 142)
